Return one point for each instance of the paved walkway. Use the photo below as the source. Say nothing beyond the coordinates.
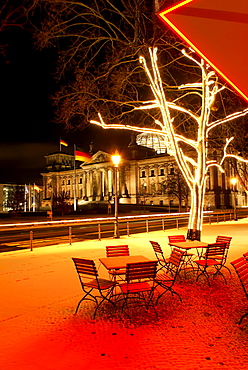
(39, 331)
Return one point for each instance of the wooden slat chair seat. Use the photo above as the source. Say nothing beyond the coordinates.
(240, 266)
(139, 282)
(117, 251)
(91, 283)
(166, 278)
(214, 257)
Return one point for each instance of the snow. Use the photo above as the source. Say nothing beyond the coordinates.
(39, 293)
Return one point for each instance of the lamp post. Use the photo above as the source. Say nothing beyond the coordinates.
(51, 198)
(234, 183)
(116, 158)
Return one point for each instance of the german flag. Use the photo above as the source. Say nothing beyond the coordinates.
(83, 157)
(62, 142)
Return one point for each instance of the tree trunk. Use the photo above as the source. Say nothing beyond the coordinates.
(196, 213)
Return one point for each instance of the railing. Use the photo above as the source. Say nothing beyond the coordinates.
(34, 234)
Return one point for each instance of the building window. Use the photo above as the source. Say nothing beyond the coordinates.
(171, 171)
(143, 173)
(63, 182)
(80, 180)
(143, 189)
(153, 189)
(69, 182)
(152, 173)
(162, 172)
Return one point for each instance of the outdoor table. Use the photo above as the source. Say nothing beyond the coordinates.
(191, 244)
(188, 245)
(120, 262)
(116, 263)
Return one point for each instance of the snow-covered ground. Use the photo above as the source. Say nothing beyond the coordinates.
(39, 293)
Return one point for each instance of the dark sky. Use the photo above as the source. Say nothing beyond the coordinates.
(28, 132)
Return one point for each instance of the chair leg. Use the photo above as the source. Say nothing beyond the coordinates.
(218, 272)
(93, 299)
(227, 269)
(242, 317)
(166, 290)
(103, 299)
(205, 274)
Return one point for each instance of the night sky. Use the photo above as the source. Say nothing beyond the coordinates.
(28, 132)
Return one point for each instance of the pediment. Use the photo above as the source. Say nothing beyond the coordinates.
(100, 157)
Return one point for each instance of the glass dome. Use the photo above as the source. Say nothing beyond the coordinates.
(153, 141)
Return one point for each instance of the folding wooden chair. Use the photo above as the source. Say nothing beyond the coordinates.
(117, 251)
(139, 282)
(213, 258)
(90, 282)
(167, 277)
(246, 255)
(227, 240)
(187, 255)
(176, 239)
(162, 261)
(240, 266)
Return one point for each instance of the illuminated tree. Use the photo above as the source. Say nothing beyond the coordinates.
(191, 152)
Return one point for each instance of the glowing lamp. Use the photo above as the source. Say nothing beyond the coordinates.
(233, 181)
(116, 158)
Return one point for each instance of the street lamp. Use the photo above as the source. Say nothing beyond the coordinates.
(234, 183)
(116, 158)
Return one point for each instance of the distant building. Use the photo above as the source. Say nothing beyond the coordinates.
(19, 198)
(142, 177)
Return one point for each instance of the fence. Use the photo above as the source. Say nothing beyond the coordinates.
(33, 234)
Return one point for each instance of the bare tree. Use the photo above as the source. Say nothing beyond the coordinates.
(16, 199)
(191, 152)
(61, 202)
(99, 43)
(12, 15)
(176, 186)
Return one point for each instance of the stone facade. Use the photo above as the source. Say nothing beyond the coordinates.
(141, 178)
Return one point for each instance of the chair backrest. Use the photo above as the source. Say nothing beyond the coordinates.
(141, 271)
(216, 251)
(224, 239)
(240, 266)
(157, 250)
(176, 239)
(117, 250)
(175, 260)
(246, 255)
(86, 270)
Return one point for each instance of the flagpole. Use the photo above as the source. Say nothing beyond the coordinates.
(74, 180)
(60, 144)
(34, 198)
(25, 198)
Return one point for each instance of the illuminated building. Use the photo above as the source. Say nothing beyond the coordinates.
(142, 177)
(19, 198)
